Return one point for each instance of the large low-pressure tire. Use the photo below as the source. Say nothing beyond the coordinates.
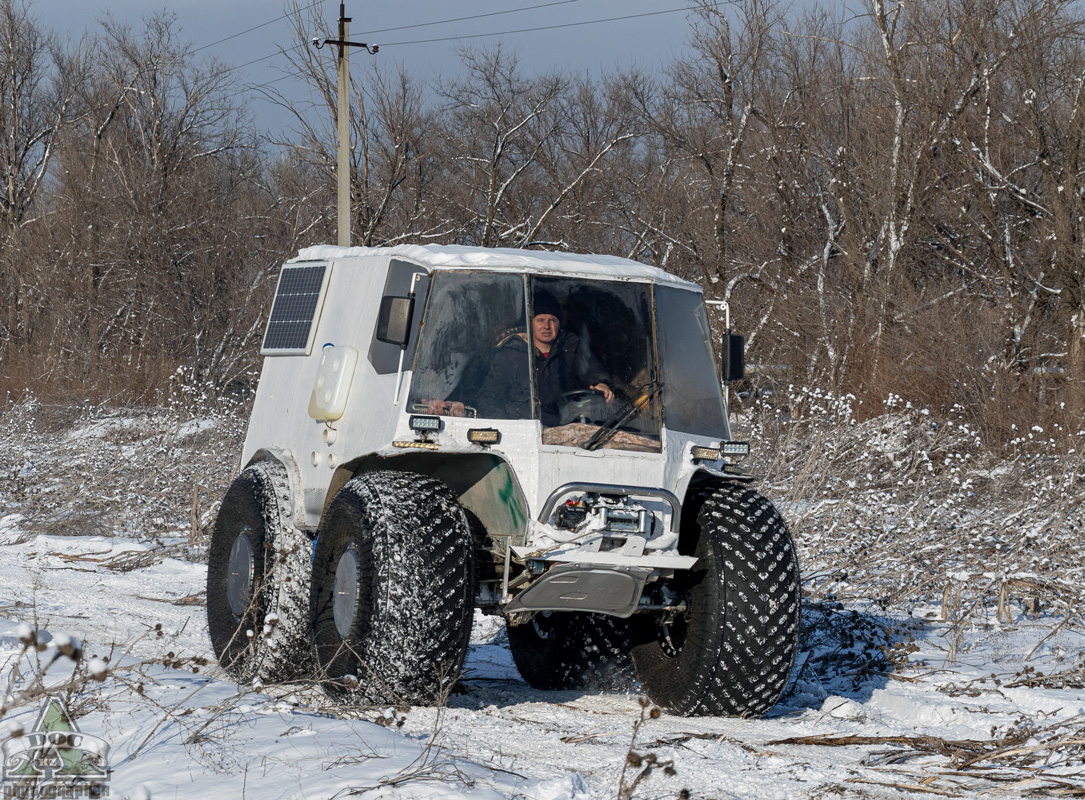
(393, 589)
(258, 569)
(572, 650)
(731, 652)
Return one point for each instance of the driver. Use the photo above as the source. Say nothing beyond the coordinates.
(561, 365)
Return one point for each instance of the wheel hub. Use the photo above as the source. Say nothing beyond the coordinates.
(668, 641)
(543, 623)
(345, 600)
(672, 631)
(239, 580)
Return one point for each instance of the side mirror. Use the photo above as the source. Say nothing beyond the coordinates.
(394, 320)
(733, 358)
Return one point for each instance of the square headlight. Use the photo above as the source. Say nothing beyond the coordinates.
(484, 435)
(704, 453)
(421, 423)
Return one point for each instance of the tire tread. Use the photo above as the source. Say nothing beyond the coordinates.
(278, 650)
(738, 655)
(419, 627)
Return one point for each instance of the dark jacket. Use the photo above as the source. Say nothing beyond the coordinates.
(506, 393)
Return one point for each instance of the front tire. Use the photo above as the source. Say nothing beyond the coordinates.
(731, 652)
(393, 589)
(258, 571)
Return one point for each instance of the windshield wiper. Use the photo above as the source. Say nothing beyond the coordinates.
(604, 435)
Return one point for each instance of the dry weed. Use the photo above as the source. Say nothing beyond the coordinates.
(909, 510)
(146, 474)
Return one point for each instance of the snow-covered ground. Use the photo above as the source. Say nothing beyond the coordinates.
(101, 533)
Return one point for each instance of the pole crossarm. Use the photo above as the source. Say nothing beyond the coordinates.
(371, 48)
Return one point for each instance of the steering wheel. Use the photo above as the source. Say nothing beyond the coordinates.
(579, 395)
(584, 405)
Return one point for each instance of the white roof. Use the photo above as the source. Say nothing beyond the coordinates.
(508, 259)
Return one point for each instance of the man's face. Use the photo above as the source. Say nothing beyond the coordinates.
(545, 330)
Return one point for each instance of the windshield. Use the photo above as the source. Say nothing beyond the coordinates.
(470, 317)
(598, 367)
(580, 356)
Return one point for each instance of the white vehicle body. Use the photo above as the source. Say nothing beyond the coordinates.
(511, 486)
(541, 436)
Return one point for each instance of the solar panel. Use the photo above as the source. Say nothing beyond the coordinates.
(294, 313)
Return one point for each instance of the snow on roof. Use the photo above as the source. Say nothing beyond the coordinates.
(460, 257)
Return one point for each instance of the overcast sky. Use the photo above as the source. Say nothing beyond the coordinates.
(399, 29)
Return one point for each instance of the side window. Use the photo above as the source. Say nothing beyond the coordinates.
(472, 356)
(383, 356)
(692, 394)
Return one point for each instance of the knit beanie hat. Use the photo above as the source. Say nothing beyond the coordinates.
(545, 303)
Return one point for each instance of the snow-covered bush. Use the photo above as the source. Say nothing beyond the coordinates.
(910, 508)
(148, 473)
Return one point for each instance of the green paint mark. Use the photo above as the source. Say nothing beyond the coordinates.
(511, 498)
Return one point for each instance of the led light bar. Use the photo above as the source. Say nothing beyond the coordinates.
(417, 445)
(705, 453)
(484, 435)
(735, 448)
(420, 423)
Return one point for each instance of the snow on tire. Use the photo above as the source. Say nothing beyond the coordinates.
(572, 650)
(258, 570)
(732, 651)
(393, 589)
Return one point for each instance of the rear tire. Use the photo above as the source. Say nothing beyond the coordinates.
(393, 589)
(572, 650)
(732, 651)
(258, 570)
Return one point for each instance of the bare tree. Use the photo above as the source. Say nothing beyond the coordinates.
(498, 124)
(34, 98)
(157, 221)
(705, 111)
(597, 127)
(1054, 115)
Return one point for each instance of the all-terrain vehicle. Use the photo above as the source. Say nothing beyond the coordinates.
(418, 449)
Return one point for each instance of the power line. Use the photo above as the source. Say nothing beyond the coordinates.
(254, 61)
(481, 35)
(472, 17)
(475, 16)
(256, 27)
(538, 28)
(384, 30)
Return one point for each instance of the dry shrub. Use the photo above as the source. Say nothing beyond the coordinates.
(896, 508)
(147, 473)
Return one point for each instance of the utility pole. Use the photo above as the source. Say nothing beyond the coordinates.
(342, 162)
